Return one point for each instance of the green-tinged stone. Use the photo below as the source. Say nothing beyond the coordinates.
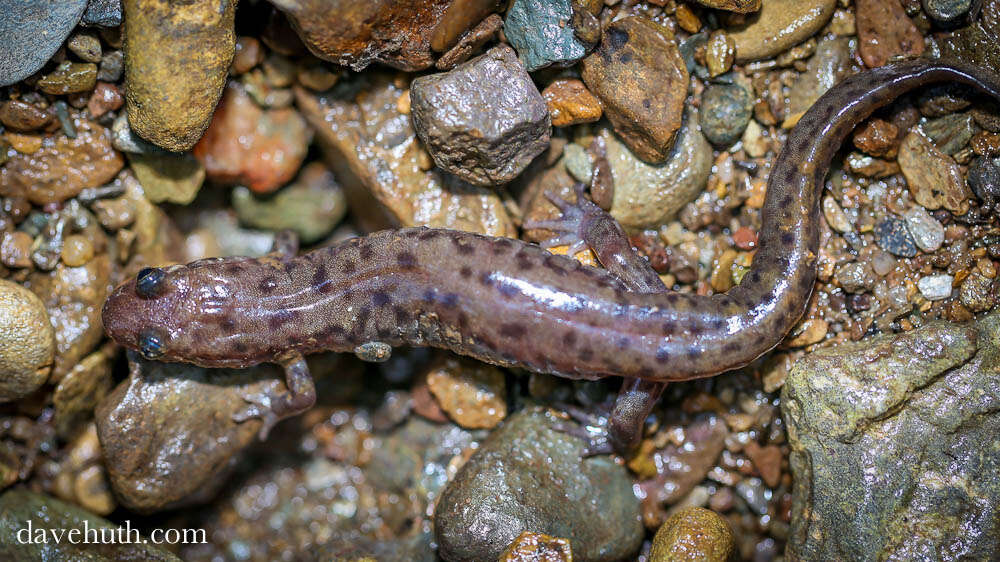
(170, 177)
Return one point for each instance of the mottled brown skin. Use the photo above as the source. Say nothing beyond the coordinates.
(512, 303)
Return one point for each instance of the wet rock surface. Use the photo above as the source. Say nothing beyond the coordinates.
(906, 410)
(527, 476)
(640, 78)
(545, 32)
(778, 25)
(31, 32)
(885, 31)
(163, 40)
(694, 533)
(26, 340)
(485, 136)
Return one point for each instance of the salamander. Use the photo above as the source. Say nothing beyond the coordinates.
(509, 302)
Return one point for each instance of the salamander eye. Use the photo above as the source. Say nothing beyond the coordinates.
(149, 282)
(151, 344)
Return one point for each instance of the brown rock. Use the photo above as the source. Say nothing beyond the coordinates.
(694, 533)
(62, 166)
(878, 138)
(640, 77)
(162, 448)
(401, 34)
(739, 6)
(470, 42)
(571, 103)
(681, 467)
(472, 393)
(23, 116)
(69, 78)
(77, 250)
(177, 56)
(934, 178)
(26, 342)
(884, 32)
(104, 98)
(15, 249)
(79, 392)
(248, 54)
(779, 25)
(261, 149)
(720, 53)
(537, 547)
(767, 461)
(387, 175)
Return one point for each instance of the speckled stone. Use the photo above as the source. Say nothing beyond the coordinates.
(31, 32)
(506, 488)
(103, 13)
(725, 111)
(888, 454)
(892, 236)
(946, 10)
(542, 33)
(484, 121)
(27, 342)
(693, 533)
(165, 41)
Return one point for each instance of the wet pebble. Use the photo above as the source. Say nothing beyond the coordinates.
(950, 133)
(165, 40)
(105, 97)
(168, 176)
(537, 547)
(506, 488)
(103, 13)
(642, 81)
(15, 249)
(885, 31)
(259, 148)
(977, 293)
(877, 137)
(946, 10)
(767, 460)
(79, 392)
(248, 54)
(892, 236)
(22, 116)
(62, 166)
(85, 45)
(69, 78)
(694, 533)
(935, 287)
(543, 34)
(77, 250)
(375, 154)
(927, 232)
(31, 32)
(720, 52)
(856, 277)
(472, 393)
(934, 178)
(724, 113)
(571, 103)
(27, 342)
(738, 6)
(984, 179)
(830, 65)
(779, 25)
(311, 206)
(484, 134)
(112, 66)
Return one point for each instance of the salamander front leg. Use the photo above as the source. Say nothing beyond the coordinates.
(275, 405)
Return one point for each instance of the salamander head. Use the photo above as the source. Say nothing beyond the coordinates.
(171, 314)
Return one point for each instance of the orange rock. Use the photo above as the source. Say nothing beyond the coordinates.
(884, 31)
(571, 103)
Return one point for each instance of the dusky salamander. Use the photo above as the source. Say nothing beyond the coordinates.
(509, 302)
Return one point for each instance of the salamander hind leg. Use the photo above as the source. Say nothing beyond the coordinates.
(275, 405)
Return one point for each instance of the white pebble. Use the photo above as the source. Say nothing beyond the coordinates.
(935, 287)
(927, 232)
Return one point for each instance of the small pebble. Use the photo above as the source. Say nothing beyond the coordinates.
(745, 238)
(885, 31)
(537, 547)
(27, 342)
(15, 249)
(571, 103)
(934, 178)
(835, 216)
(984, 179)
(720, 52)
(103, 13)
(977, 293)
(856, 277)
(69, 78)
(935, 287)
(112, 66)
(781, 24)
(104, 98)
(694, 533)
(950, 133)
(946, 10)
(249, 53)
(927, 232)
(86, 45)
(22, 116)
(471, 393)
(77, 250)
(892, 236)
(808, 332)
(725, 111)
(877, 138)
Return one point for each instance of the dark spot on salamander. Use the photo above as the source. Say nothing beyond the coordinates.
(486, 279)
(465, 271)
(693, 352)
(319, 281)
(267, 285)
(646, 372)
(697, 329)
(786, 201)
(400, 314)
(662, 355)
(463, 246)
(524, 261)
(731, 347)
(228, 325)
(500, 246)
(787, 238)
(755, 277)
(239, 348)
(349, 267)
(513, 331)
(381, 299)
(406, 259)
(280, 318)
(717, 324)
(669, 328)
(233, 269)
(365, 252)
(429, 297)
(569, 340)
(585, 355)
